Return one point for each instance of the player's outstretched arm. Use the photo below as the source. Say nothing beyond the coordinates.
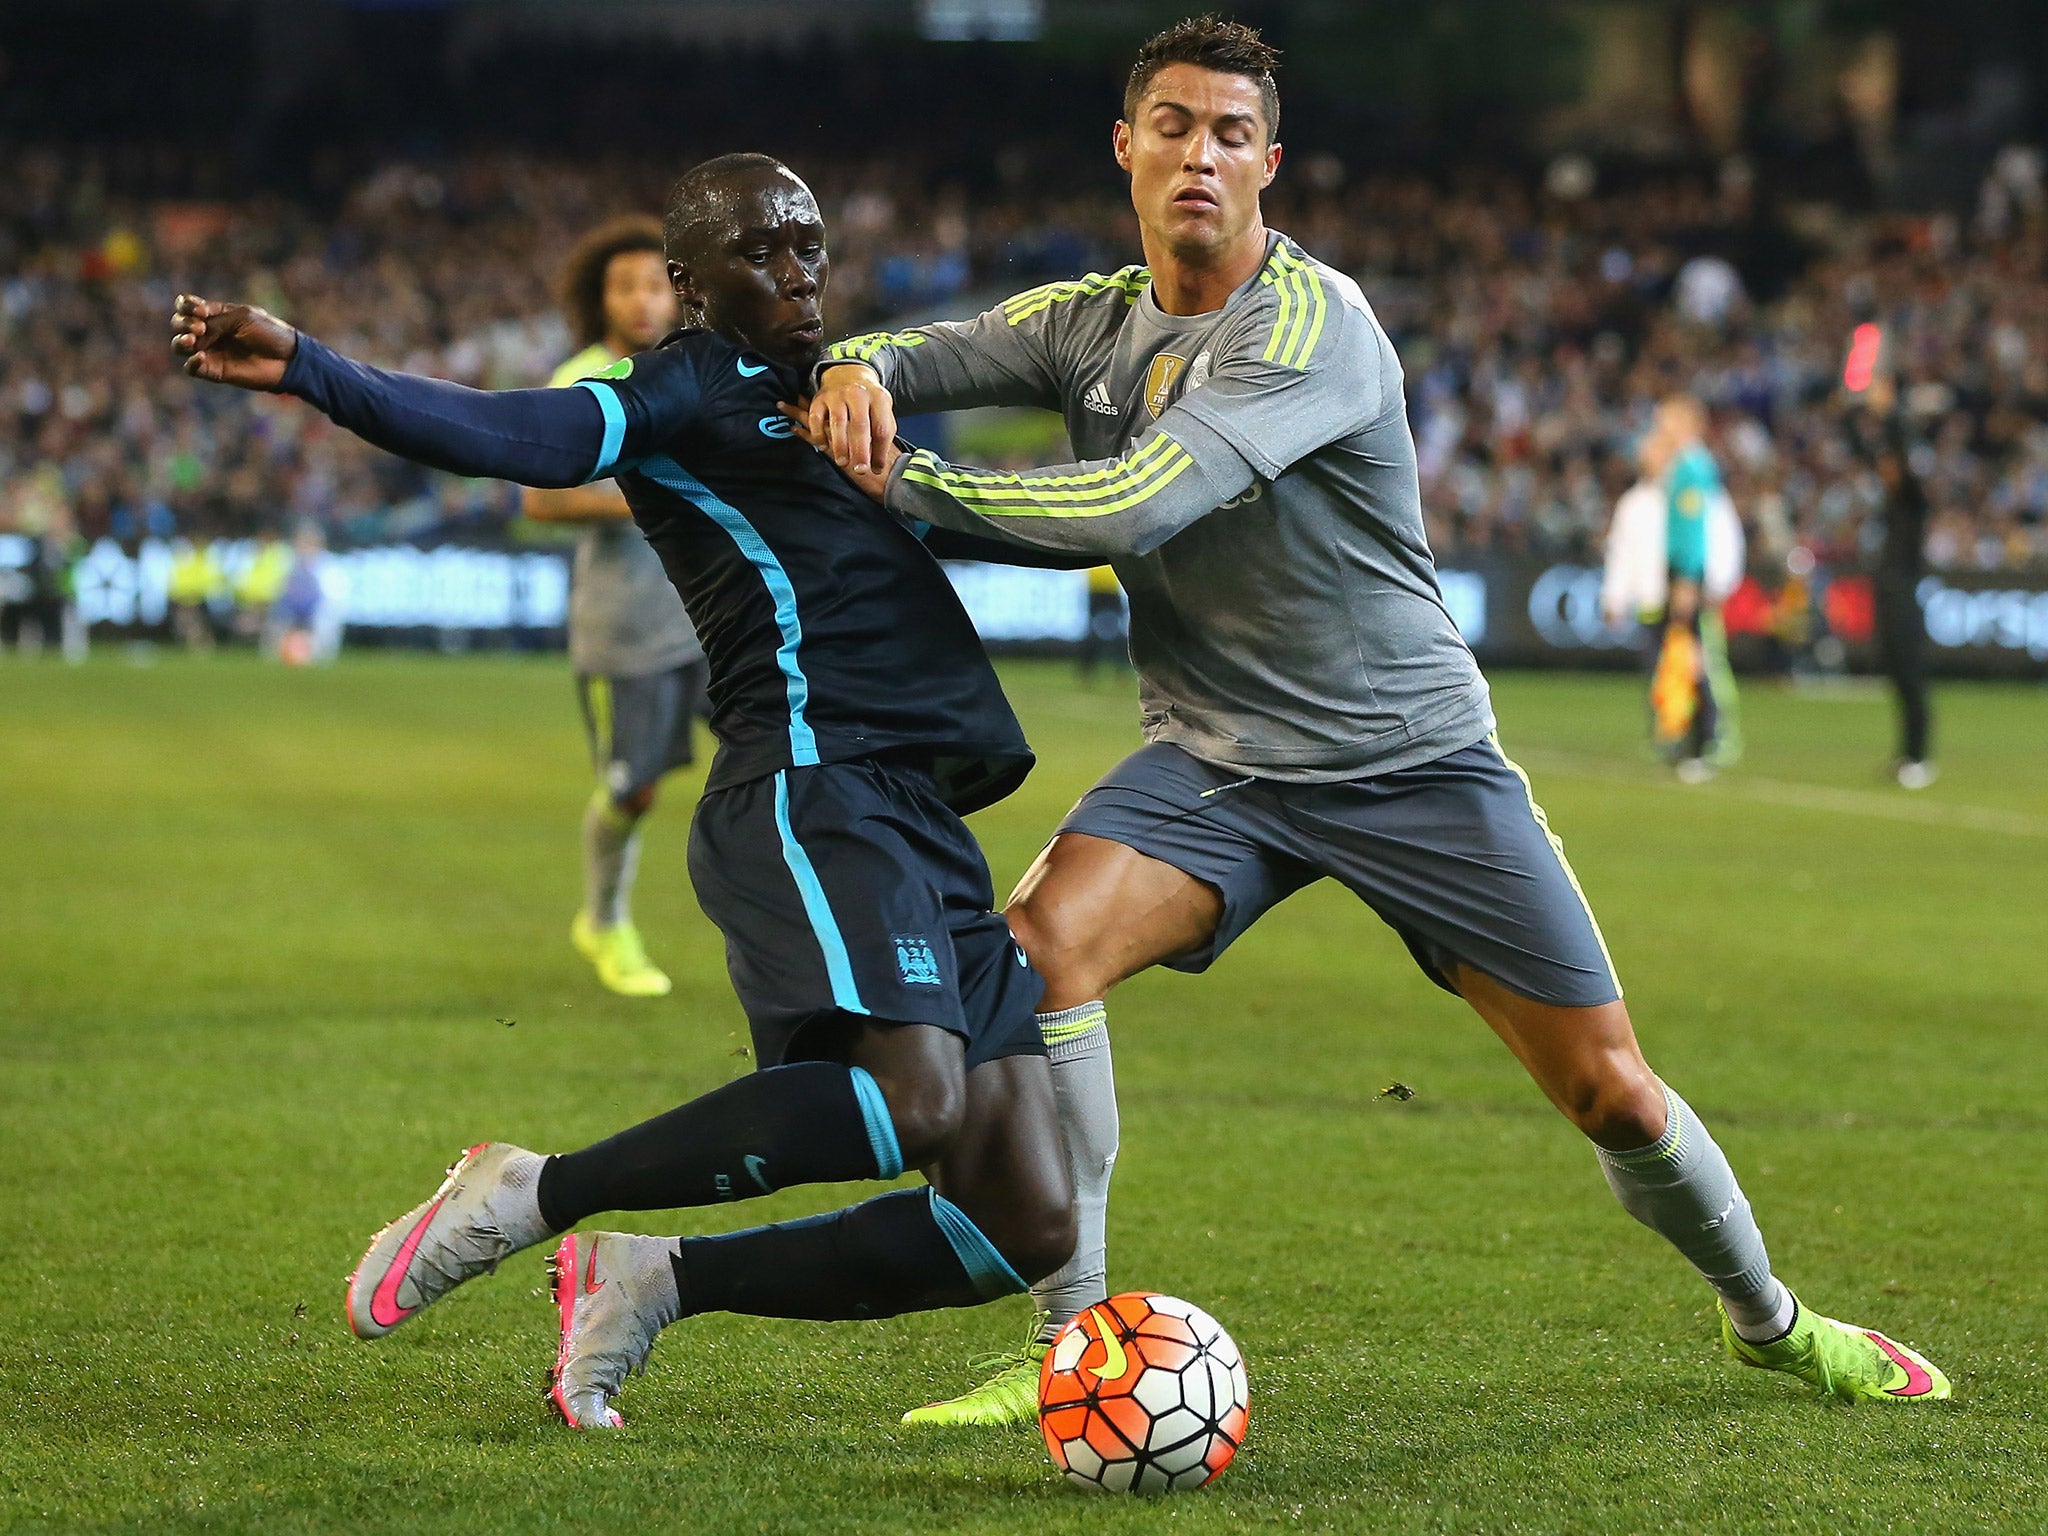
(1104, 507)
(538, 437)
(1256, 416)
(1004, 356)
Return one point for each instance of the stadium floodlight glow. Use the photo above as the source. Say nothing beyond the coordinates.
(994, 21)
(1865, 342)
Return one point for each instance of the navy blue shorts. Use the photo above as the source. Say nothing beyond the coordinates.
(1455, 856)
(849, 891)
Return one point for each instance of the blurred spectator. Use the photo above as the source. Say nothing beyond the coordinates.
(1538, 331)
(197, 586)
(259, 585)
(305, 622)
(38, 608)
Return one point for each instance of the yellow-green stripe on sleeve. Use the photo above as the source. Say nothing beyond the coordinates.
(1116, 489)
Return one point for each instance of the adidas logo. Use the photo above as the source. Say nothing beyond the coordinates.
(1097, 399)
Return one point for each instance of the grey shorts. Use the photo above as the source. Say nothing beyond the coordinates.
(640, 728)
(1454, 855)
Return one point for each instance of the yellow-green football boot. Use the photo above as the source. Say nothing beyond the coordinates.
(619, 958)
(1008, 1398)
(1858, 1365)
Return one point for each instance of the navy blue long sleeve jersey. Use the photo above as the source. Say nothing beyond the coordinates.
(831, 630)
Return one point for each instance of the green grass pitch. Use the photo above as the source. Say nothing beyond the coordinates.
(274, 946)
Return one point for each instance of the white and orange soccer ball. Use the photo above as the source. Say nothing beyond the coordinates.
(1143, 1394)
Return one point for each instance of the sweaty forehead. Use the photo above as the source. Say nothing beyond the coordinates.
(766, 200)
(1205, 92)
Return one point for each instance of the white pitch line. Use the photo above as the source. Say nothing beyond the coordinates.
(1809, 797)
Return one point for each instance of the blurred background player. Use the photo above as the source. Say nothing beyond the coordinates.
(640, 671)
(1635, 584)
(1108, 636)
(1692, 690)
(1901, 559)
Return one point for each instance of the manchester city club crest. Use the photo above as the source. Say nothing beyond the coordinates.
(916, 965)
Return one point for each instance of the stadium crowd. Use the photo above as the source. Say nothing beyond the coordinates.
(1538, 320)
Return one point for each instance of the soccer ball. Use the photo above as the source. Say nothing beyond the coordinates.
(1142, 1394)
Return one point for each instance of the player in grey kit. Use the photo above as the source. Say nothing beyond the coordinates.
(1310, 710)
(640, 673)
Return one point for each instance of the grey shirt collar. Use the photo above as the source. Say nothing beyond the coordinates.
(1148, 305)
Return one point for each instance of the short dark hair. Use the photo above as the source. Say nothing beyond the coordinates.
(1209, 42)
(584, 273)
(687, 208)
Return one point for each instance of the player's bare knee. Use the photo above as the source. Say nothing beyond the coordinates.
(927, 1109)
(1061, 954)
(1037, 1235)
(1619, 1110)
(1033, 936)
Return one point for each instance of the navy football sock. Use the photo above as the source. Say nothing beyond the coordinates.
(907, 1251)
(813, 1123)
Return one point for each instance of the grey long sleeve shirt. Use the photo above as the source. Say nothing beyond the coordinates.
(1250, 475)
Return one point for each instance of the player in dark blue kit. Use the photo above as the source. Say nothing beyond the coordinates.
(858, 718)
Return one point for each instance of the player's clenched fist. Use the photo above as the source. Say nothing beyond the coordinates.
(852, 416)
(235, 344)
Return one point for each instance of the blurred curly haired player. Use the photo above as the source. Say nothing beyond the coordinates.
(1310, 710)
(640, 670)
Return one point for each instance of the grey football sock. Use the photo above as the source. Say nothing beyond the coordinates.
(611, 854)
(1084, 1087)
(1681, 1187)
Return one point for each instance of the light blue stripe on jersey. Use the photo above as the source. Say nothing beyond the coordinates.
(881, 1125)
(803, 744)
(838, 964)
(614, 425)
(988, 1269)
